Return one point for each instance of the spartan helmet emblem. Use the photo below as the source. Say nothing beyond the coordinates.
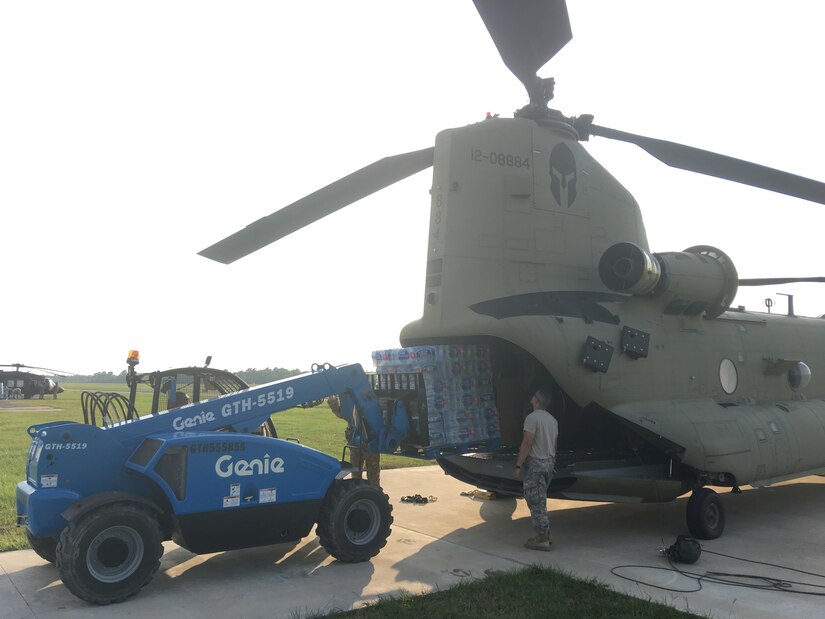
(563, 175)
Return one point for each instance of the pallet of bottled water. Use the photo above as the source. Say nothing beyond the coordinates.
(461, 407)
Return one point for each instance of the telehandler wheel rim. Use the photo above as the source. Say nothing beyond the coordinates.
(114, 554)
(363, 520)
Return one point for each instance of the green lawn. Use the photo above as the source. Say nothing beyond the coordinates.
(532, 592)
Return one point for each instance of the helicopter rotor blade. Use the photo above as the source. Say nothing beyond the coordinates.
(527, 33)
(776, 281)
(315, 206)
(17, 367)
(720, 166)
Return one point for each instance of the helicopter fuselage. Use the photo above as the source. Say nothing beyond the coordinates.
(522, 218)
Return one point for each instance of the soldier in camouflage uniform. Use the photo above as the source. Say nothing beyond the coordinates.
(361, 458)
(537, 455)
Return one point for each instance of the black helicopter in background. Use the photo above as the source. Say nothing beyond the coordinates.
(24, 384)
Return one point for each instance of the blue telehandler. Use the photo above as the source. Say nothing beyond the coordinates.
(99, 501)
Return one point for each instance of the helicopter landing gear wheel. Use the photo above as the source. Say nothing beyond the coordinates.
(355, 520)
(109, 554)
(705, 514)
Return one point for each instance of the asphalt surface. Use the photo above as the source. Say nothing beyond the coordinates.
(436, 545)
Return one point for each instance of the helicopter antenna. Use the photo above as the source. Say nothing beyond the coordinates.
(790, 302)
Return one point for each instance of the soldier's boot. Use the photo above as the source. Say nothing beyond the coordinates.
(539, 542)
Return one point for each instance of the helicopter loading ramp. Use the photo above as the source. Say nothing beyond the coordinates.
(579, 477)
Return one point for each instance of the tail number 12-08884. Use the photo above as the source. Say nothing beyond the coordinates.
(502, 159)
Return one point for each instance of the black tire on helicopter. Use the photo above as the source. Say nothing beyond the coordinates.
(705, 514)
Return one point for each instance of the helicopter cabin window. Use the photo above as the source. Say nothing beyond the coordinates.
(799, 376)
(728, 376)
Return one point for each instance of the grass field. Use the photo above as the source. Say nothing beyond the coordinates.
(538, 592)
(316, 427)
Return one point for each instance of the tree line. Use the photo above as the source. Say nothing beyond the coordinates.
(251, 376)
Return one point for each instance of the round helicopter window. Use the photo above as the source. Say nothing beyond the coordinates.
(799, 376)
(728, 376)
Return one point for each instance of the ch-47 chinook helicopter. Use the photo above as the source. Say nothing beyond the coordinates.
(661, 388)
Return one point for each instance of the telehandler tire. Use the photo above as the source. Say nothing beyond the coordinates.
(354, 522)
(44, 547)
(110, 554)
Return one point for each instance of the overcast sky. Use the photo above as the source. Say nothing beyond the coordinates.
(134, 134)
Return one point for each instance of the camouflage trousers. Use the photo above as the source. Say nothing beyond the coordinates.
(536, 483)
(364, 460)
(369, 461)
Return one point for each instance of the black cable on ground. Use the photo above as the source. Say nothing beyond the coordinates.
(723, 578)
(720, 578)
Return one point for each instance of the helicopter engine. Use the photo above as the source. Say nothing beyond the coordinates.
(696, 280)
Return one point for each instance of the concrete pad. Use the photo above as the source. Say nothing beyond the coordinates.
(435, 545)
(8, 405)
